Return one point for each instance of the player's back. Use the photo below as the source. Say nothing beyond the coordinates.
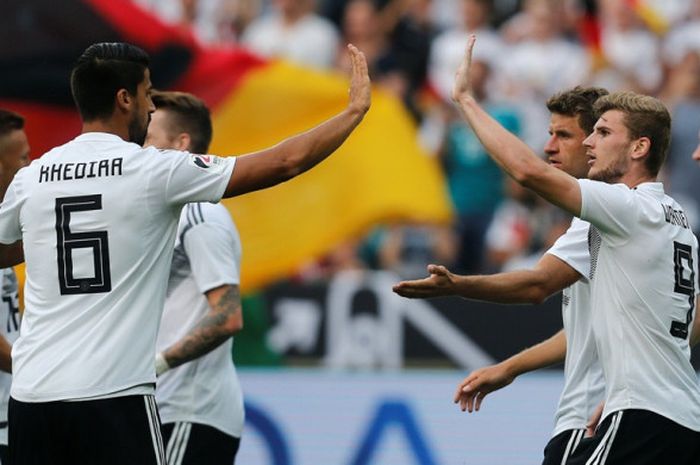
(98, 218)
(205, 390)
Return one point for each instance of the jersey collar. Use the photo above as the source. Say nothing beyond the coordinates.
(99, 136)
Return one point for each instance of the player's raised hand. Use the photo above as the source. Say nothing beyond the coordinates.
(360, 88)
(462, 86)
(439, 283)
(472, 390)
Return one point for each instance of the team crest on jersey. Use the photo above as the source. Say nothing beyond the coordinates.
(204, 161)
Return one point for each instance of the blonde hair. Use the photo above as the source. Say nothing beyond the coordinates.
(644, 116)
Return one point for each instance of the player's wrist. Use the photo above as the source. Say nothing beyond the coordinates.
(161, 364)
(511, 368)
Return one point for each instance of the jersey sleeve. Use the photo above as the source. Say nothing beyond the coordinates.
(572, 248)
(195, 178)
(213, 249)
(10, 228)
(611, 208)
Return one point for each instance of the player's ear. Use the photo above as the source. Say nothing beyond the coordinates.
(182, 141)
(123, 100)
(640, 148)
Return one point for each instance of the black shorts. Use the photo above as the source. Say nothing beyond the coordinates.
(195, 444)
(562, 445)
(638, 437)
(115, 431)
(3, 455)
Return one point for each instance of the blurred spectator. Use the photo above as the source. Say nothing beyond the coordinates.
(295, 32)
(364, 26)
(683, 38)
(541, 64)
(556, 225)
(344, 257)
(408, 249)
(520, 226)
(211, 21)
(682, 93)
(411, 32)
(448, 48)
(234, 16)
(630, 49)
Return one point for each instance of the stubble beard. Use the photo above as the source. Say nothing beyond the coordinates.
(138, 130)
(610, 175)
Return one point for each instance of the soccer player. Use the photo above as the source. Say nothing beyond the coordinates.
(14, 154)
(565, 266)
(198, 394)
(644, 273)
(98, 218)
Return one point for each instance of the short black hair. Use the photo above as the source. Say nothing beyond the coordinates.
(101, 71)
(10, 121)
(578, 102)
(189, 114)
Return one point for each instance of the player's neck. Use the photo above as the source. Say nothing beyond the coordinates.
(107, 126)
(632, 179)
(4, 184)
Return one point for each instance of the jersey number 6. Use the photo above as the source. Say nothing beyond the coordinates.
(67, 242)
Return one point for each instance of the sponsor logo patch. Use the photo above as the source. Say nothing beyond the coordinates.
(204, 161)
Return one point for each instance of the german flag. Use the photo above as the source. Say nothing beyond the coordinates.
(379, 175)
(653, 18)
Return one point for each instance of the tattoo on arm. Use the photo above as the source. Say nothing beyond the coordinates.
(213, 329)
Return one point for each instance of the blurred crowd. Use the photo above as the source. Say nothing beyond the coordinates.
(526, 51)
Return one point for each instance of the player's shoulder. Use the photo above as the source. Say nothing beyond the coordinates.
(607, 190)
(158, 157)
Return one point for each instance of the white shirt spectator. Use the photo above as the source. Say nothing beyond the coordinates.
(685, 38)
(635, 53)
(533, 70)
(311, 40)
(447, 51)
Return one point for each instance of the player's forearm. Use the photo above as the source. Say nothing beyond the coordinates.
(519, 161)
(308, 149)
(516, 287)
(216, 327)
(5, 355)
(542, 355)
(293, 156)
(509, 152)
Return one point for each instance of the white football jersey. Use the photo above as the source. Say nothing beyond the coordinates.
(583, 377)
(9, 328)
(207, 255)
(98, 217)
(645, 281)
